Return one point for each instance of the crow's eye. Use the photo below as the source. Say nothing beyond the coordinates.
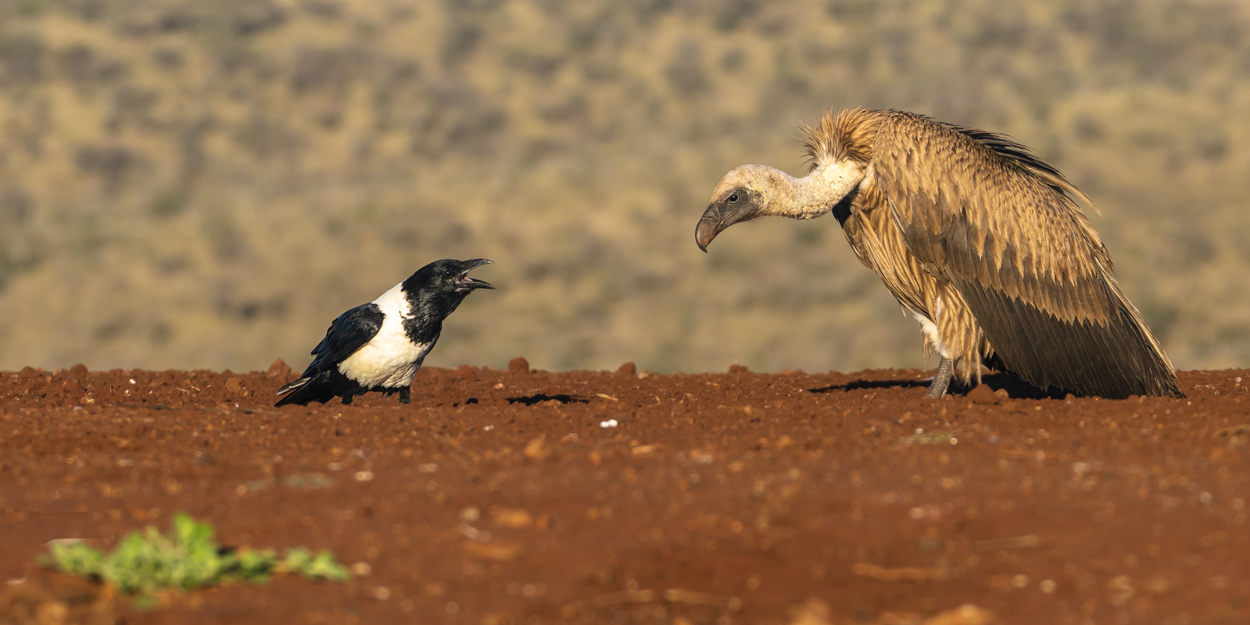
(733, 198)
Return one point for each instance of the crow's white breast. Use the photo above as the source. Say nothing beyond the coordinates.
(389, 359)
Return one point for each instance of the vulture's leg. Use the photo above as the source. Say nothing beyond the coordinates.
(941, 379)
(347, 398)
(405, 395)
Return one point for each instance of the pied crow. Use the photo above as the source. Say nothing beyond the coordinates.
(380, 345)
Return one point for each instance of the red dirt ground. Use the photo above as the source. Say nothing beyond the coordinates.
(498, 497)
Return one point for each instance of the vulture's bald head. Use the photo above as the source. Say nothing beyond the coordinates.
(741, 195)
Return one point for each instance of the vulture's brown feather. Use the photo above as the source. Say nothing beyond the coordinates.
(976, 237)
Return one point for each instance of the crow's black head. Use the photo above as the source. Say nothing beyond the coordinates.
(441, 285)
(448, 276)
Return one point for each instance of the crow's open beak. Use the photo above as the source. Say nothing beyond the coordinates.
(465, 282)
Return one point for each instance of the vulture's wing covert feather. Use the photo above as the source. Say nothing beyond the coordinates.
(1001, 226)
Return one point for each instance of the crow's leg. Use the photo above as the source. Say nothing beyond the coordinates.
(405, 395)
(941, 379)
(347, 398)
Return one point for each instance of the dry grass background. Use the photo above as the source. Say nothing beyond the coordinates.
(207, 184)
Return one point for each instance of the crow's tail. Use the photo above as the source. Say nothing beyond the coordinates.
(304, 390)
(292, 392)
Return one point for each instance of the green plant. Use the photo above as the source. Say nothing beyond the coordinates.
(186, 558)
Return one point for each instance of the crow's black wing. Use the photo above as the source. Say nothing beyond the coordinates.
(321, 381)
(348, 333)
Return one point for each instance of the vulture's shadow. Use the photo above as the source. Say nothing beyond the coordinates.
(1016, 387)
(866, 384)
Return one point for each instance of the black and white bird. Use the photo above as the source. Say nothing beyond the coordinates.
(380, 345)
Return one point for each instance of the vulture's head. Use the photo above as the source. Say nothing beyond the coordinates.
(743, 194)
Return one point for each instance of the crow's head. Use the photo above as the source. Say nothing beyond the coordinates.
(449, 276)
(445, 282)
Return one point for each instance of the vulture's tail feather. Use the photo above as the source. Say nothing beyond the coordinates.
(1113, 359)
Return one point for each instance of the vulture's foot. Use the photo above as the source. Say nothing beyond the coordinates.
(405, 395)
(941, 379)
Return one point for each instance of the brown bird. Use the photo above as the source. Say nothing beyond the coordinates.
(978, 239)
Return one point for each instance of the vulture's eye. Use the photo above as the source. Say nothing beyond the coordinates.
(733, 198)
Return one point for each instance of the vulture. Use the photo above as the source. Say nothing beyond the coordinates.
(980, 241)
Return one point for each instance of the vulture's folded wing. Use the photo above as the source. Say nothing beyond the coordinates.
(985, 215)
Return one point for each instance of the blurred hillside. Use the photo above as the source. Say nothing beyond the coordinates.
(207, 184)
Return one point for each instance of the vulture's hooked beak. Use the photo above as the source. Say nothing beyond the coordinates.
(719, 216)
(464, 282)
(710, 225)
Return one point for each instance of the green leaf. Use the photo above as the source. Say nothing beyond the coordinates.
(325, 566)
(77, 558)
(256, 566)
(321, 566)
(192, 534)
(296, 559)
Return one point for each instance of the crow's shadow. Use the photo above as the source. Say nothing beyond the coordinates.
(530, 400)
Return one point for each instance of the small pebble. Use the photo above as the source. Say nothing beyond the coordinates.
(610, 423)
